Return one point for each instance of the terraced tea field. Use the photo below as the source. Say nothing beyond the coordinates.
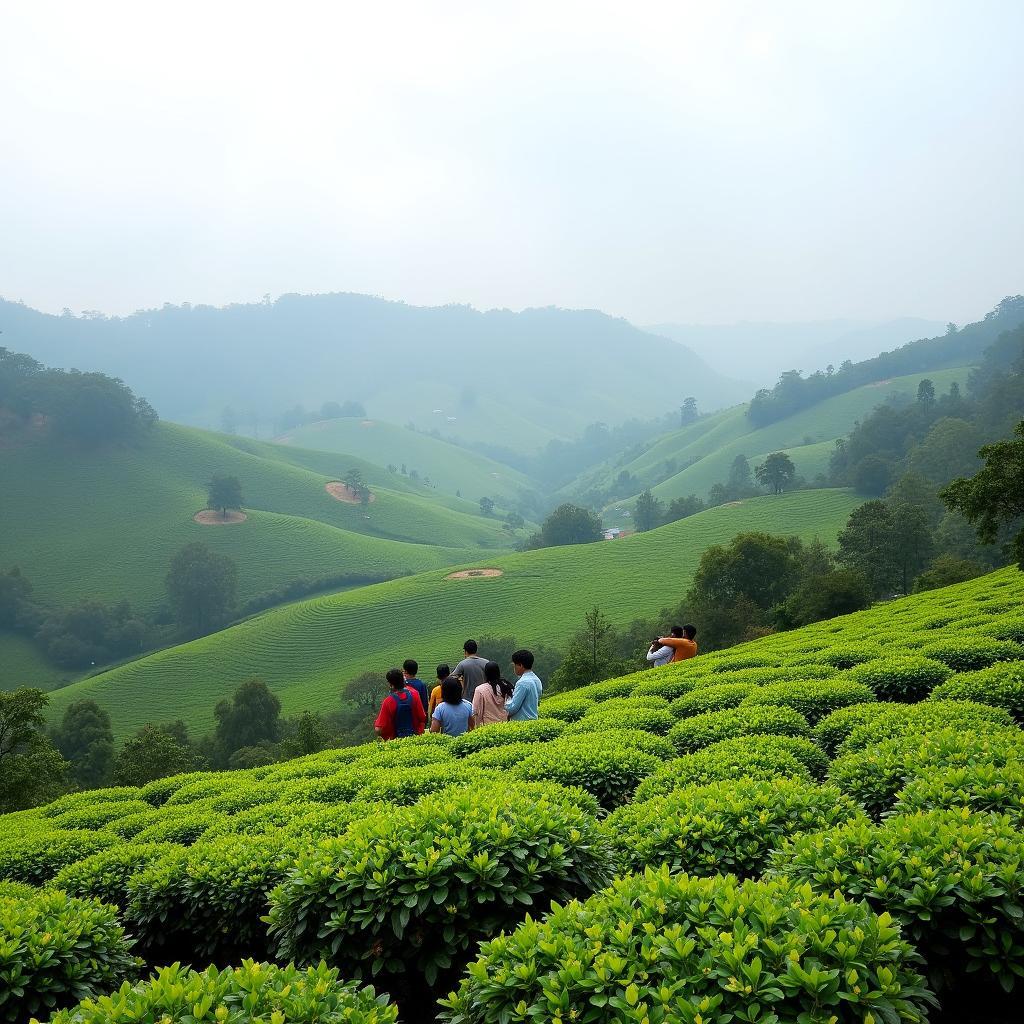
(306, 650)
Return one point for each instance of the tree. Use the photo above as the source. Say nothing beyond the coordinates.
(590, 655)
(486, 506)
(570, 524)
(155, 752)
(514, 521)
(683, 508)
(945, 571)
(647, 514)
(356, 484)
(755, 566)
(913, 542)
(224, 492)
(994, 497)
(330, 411)
(777, 472)
(85, 738)
(31, 771)
(740, 481)
(688, 411)
(926, 394)
(252, 717)
(866, 546)
(837, 592)
(871, 476)
(202, 587)
(306, 734)
(91, 633)
(352, 409)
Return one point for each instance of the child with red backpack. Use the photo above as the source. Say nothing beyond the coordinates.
(401, 712)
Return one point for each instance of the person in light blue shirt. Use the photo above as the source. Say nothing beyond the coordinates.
(522, 705)
(454, 714)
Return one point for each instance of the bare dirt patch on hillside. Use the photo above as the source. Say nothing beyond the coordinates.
(211, 517)
(336, 489)
(471, 574)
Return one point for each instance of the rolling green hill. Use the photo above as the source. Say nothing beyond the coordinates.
(106, 524)
(307, 650)
(450, 467)
(705, 450)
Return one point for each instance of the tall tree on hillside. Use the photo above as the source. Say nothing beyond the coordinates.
(777, 472)
(866, 546)
(647, 514)
(202, 587)
(250, 718)
(926, 394)
(683, 508)
(688, 411)
(224, 492)
(155, 752)
(590, 655)
(356, 484)
(994, 497)
(86, 739)
(913, 542)
(31, 771)
(570, 524)
(486, 506)
(740, 481)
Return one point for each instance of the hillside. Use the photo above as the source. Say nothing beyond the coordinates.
(106, 523)
(305, 651)
(449, 467)
(550, 372)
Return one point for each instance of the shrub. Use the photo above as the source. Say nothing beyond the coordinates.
(613, 716)
(808, 753)
(987, 788)
(38, 856)
(183, 825)
(1006, 627)
(710, 698)
(723, 827)
(413, 891)
(537, 731)
(76, 801)
(131, 825)
(670, 689)
(906, 677)
(875, 775)
(609, 771)
(55, 950)
(967, 654)
(919, 719)
(405, 786)
(953, 879)
(159, 791)
(249, 994)
(834, 728)
(100, 815)
(321, 820)
(1001, 686)
(658, 947)
(702, 730)
(565, 707)
(105, 875)
(607, 689)
(814, 699)
(844, 657)
(502, 757)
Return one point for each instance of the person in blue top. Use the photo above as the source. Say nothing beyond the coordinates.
(522, 705)
(454, 714)
(409, 670)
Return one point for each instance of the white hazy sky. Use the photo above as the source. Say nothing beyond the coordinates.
(687, 161)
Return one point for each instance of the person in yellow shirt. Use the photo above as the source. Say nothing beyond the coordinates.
(443, 672)
(681, 641)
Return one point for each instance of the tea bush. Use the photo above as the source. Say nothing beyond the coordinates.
(814, 699)
(710, 698)
(105, 875)
(502, 757)
(56, 950)
(724, 827)
(846, 656)
(670, 689)
(413, 891)
(182, 825)
(702, 730)
(987, 788)
(663, 949)
(76, 801)
(537, 731)
(249, 994)
(966, 654)
(36, 857)
(612, 715)
(954, 879)
(564, 707)
(1006, 627)
(1001, 685)
(159, 791)
(834, 728)
(905, 677)
(100, 814)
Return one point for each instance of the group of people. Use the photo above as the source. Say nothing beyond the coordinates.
(472, 694)
(677, 646)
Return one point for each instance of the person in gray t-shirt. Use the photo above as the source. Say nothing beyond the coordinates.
(470, 671)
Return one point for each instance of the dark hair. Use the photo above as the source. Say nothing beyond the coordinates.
(451, 691)
(523, 657)
(443, 672)
(690, 631)
(676, 631)
(469, 647)
(395, 678)
(501, 687)
(410, 666)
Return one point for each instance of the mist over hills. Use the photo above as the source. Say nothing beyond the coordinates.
(519, 379)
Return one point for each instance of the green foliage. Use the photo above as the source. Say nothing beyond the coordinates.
(98, 815)
(967, 654)
(723, 827)
(705, 699)
(31, 771)
(670, 688)
(252, 993)
(38, 856)
(538, 731)
(905, 677)
(920, 719)
(202, 587)
(1001, 685)
(570, 524)
(845, 656)
(162, 788)
(152, 753)
(626, 713)
(952, 878)
(834, 728)
(224, 492)
(90, 632)
(105, 875)
(252, 717)
(414, 890)
(700, 731)
(814, 699)
(86, 740)
(183, 826)
(985, 788)
(664, 948)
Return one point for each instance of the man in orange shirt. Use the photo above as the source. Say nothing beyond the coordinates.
(681, 641)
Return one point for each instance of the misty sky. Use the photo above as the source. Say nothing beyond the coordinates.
(690, 162)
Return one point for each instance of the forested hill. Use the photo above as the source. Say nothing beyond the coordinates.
(518, 379)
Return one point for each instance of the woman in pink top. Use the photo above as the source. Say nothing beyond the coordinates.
(490, 696)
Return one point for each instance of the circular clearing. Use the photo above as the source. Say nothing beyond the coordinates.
(470, 574)
(336, 489)
(211, 517)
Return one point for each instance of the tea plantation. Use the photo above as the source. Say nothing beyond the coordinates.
(305, 651)
(819, 826)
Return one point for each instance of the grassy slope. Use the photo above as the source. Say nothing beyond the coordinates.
(450, 467)
(107, 524)
(715, 442)
(21, 664)
(305, 651)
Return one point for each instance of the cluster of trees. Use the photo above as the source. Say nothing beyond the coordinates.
(567, 524)
(795, 392)
(83, 408)
(299, 416)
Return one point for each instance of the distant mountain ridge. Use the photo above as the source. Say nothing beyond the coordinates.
(518, 379)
